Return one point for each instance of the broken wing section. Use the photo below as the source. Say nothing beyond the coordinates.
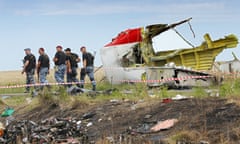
(199, 58)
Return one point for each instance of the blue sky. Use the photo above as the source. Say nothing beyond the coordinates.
(93, 23)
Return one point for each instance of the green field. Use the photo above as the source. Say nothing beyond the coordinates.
(128, 104)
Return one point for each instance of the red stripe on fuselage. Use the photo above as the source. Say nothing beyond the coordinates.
(125, 37)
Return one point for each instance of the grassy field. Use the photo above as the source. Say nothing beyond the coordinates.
(136, 100)
(16, 78)
(230, 86)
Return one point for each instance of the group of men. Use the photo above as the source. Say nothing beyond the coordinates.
(65, 62)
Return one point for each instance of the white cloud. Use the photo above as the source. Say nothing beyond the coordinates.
(96, 8)
(90, 9)
(201, 11)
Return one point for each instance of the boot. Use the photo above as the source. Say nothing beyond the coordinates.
(94, 88)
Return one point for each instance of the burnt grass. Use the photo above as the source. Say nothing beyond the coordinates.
(214, 120)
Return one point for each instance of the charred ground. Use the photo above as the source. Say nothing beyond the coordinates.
(213, 120)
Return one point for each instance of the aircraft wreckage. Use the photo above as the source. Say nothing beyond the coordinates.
(131, 57)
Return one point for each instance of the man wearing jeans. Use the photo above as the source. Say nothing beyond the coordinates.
(72, 61)
(43, 67)
(88, 68)
(29, 68)
(60, 65)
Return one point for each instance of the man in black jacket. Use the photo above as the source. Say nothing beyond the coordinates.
(43, 66)
(29, 68)
(88, 68)
(72, 61)
(60, 64)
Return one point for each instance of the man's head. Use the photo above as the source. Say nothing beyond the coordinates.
(41, 51)
(83, 49)
(59, 48)
(67, 51)
(27, 51)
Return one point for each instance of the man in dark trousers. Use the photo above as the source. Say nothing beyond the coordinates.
(29, 68)
(60, 64)
(88, 68)
(43, 67)
(72, 60)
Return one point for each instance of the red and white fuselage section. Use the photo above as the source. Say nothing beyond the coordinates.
(112, 56)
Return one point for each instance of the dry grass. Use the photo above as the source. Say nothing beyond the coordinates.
(234, 99)
(15, 77)
(11, 77)
(188, 136)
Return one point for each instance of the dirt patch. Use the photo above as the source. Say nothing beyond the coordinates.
(211, 120)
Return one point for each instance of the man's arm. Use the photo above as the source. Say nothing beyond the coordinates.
(38, 65)
(25, 66)
(84, 63)
(78, 60)
(38, 68)
(49, 67)
(55, 59)
(68, 63)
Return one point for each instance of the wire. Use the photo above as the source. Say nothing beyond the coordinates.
(190, 26)
(183, 38)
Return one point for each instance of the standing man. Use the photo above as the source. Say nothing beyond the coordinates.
(29, 68)
(43, 67)
(60, 64)
(72, 61)
(88, 67)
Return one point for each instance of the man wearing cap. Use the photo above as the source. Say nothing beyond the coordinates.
(88, 68)
(60, 64)
(43, 66)
(29, 68)
(72, 61)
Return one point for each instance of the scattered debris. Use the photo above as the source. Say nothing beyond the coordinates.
(29, 100)
(148, 116)
(213, 92)
(203, 142)
(8, 112)
(164, 125)
(114, 101)
(55, 130)
(127, 92)
(5, 97)
(180, 97)
(108, 122)
(9, 119)
(110, 139)
(34, 93)
(88, 115)
(166, 100)
(74, 90)
(89, 124)
(2, 126)
(152, 95)
(225, 68)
